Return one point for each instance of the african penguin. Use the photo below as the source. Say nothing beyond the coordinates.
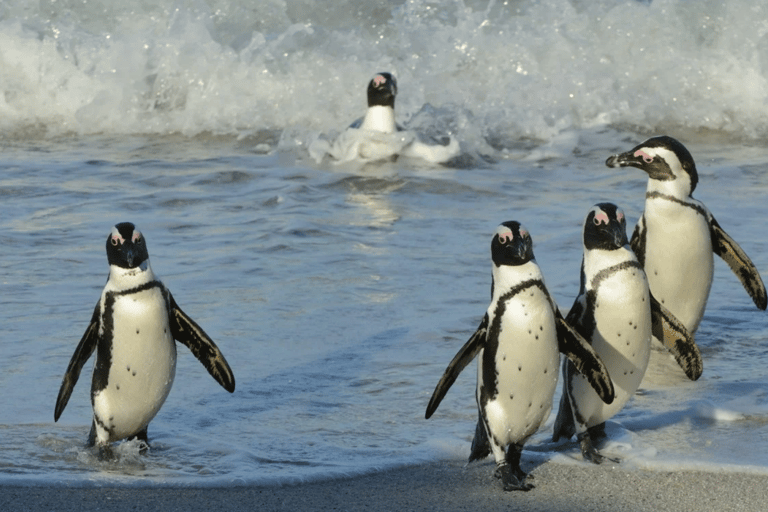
(676, 235)
(519, 342)
(380, 116)
(132, 331)
(615, 312)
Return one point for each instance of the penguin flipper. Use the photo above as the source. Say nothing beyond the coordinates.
(460, 361)
(83, 351)
(637, 242)
(727, 248)
(673, 335)
(188, 333)
(584, 359)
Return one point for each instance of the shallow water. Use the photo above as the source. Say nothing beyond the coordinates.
(339, 293)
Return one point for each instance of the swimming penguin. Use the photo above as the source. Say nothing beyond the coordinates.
(616, 313)
(519, 342)
(132, 331)
(380, 116)
(676, 235)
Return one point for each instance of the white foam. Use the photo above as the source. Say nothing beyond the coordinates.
(504, 71)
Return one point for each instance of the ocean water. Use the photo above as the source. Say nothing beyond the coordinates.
(339, 292)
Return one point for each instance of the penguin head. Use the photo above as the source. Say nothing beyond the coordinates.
(664, 159)
(605, 228)
(126, 247)
(511, 245)
(382, 90)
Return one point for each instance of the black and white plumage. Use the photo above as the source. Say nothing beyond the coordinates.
(677, 235)
(132, 330)
(616, 313)
(519, 342)
(380, 116)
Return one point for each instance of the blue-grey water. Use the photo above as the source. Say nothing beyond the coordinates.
(339, 293)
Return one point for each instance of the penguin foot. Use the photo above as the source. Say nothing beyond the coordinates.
(589, 452)
(142, 437)
(512, 479)
(106, 453)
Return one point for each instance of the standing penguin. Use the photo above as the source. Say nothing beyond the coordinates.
(616, 313)
(519, 341)
(132, 331)
(676, 235)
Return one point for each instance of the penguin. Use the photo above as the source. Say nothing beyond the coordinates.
(132, 331)
(380, 116)
(518, 342)
(676, 236)
(616, 313)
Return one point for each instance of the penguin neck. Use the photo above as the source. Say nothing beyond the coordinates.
(506, 277)
(596, 260)
(379, 119)
(678, 188)
(127, 278)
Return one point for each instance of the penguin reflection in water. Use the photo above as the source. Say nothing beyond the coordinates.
(132, 331)
(616, 313)
(518, 342)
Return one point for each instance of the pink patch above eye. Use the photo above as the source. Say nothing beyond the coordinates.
(619, 216)
(379, 80)
(506, 237)
(136, 236)
(601, 218)
(646, 157)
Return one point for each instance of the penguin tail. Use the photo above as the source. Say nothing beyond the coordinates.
(564, 425)
(481, 447)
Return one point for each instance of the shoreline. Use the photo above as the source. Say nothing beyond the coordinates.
(444, 486)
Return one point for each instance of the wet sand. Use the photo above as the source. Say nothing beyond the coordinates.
(444, 486)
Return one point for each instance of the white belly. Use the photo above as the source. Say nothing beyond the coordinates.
(679, 260)
(527, 362)
(143, 365)
(622, 339)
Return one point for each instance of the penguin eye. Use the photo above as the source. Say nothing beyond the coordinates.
(114, 240)
(596, 221)
(137, 239)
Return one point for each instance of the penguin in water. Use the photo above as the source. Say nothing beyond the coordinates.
(132, 330)
(376, 136)
(676, 236)
(519, 342)
(616, 313)
(380, 116)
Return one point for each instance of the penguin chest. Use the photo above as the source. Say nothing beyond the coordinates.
(622, 339)
(679, 259)
(517, 372)
(142, 363)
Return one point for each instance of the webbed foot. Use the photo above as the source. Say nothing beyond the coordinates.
(589, 452)
(512, 479)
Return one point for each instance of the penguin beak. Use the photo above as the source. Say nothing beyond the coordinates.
(627, 159)
(129, 256)
(619, 234)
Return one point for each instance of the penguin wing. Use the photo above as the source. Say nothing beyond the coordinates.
(727, 248)
(83, 351)
(187, 332)
(637, 242)
(673, 334)
(467, 353)
(584, 358)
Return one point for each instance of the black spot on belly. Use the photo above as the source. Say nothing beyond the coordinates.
(133, 373)
(541, 327)
(137, 331)
(117, 386)
(546, 370)
(511, 397)
(519, 368)
(165, 331)
(530, 404)
(128, 368)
